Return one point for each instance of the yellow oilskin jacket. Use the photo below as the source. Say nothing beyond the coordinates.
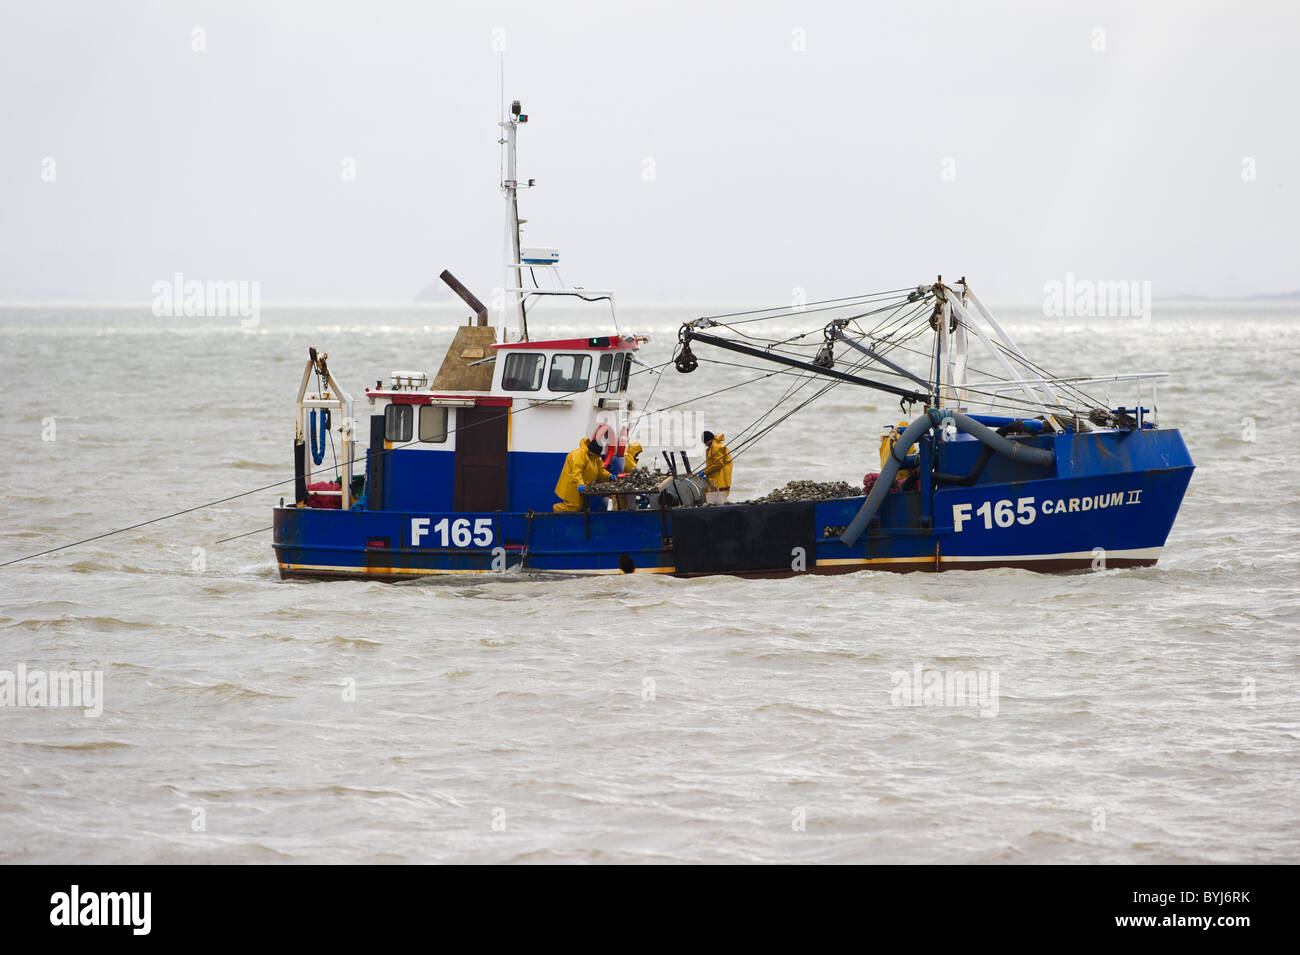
(580, 468)
(717, 464)
(887, 441)
(629, 457)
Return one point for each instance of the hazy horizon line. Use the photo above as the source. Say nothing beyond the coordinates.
(1280, 297)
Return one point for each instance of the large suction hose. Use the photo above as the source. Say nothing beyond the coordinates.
(888, 471)
(1040, 457)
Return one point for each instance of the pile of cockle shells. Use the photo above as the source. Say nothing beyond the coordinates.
(811, 491)
(637, 481)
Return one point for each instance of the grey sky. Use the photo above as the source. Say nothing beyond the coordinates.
(774, 167)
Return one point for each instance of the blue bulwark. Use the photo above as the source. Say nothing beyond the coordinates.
(418, 480)
(532, 476)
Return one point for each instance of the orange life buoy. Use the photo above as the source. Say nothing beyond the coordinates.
(608, 443)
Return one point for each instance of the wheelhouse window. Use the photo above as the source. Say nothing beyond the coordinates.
(611, 374)
(433, 424)
(569, 373)
(617, 373)
(523, 371)
(398, 421)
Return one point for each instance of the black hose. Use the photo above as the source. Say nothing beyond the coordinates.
(967, 480)
(984, 457)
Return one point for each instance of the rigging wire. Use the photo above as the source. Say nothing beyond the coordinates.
(649, 398)
(804, 378)
(791, 310)
(245, 534)
(760, 338)
(746, 443)
(808, 377)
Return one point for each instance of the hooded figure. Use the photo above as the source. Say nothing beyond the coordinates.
(888, 438)
(629, 458)
(717, 468)
(582, 467)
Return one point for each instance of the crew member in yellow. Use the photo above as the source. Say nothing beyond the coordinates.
(717, 468)
(629, 457)
(888, 438)
(582, 467)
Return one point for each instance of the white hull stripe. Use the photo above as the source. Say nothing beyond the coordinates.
(1137, 553)
(1140, 553)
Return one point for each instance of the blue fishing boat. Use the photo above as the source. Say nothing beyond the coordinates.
(466, 473)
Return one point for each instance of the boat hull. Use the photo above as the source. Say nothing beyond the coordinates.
(1111, 503)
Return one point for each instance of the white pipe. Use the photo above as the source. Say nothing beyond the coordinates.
(957, 358)
(1048, 393)
(1073, 379)
(966, 318)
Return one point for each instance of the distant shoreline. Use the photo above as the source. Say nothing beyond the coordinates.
(454, 306)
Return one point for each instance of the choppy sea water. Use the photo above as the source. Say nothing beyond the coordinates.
(1142, 716)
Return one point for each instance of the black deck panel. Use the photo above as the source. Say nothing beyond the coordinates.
(742, 536)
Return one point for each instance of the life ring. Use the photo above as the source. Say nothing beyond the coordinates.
(602, 428)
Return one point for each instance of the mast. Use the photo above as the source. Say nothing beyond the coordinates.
(940, 320)
(950, 348)
(513, 301)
